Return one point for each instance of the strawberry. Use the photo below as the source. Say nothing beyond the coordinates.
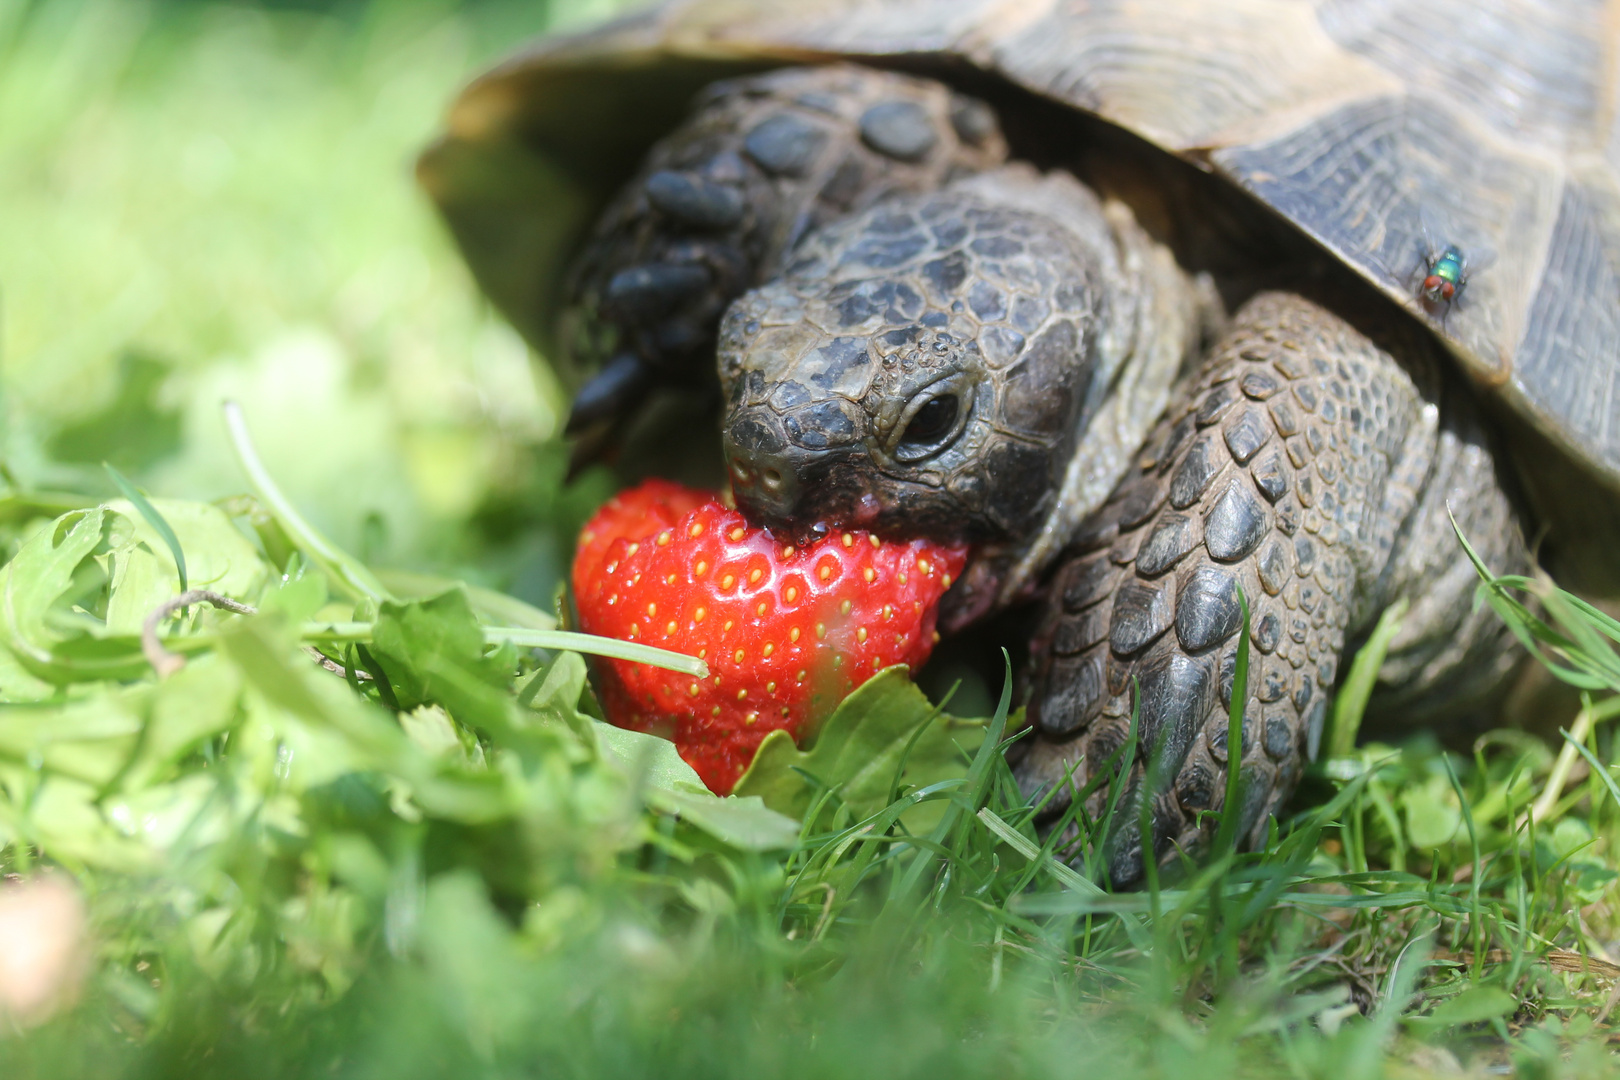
(787, 630)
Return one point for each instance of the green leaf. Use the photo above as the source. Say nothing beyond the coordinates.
(744, 822)
(153, 518)
(1474, 1005)
(1432, 814)
(18, 683)
(654, 767)
(666, 783)
(65, 819)
(103, 562)
(654, 762)
(124, 737)
(431, 728)
(553, 691)
(328, 731)
(195, 703)
(296, 600)
(286, 679)
(433, 653)
(222, 559)
(860, 749)
(41, 573)
(52, 572)
(87, 740)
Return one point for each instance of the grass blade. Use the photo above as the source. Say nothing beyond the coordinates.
(977, 774)
(1554, 786)
(1351, 703)
(1021, 844)
(525, 638)
(1226, 834)
(1599, 770)
(597, 646)
(350, 573)
(153, 518)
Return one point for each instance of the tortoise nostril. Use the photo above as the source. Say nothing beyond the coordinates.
(766, 467)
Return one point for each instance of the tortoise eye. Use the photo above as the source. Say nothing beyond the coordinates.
(931, 423)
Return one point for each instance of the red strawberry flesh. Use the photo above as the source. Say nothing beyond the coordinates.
(787, 630)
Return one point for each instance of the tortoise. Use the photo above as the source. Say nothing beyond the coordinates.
(1142, 299)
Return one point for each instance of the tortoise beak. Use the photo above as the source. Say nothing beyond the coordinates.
(766, 469)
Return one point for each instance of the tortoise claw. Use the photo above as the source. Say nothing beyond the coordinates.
(720, 201)
(609, 394)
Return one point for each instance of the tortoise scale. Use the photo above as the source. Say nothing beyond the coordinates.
(1122, 293)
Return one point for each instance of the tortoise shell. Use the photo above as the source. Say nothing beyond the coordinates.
(1384, 131)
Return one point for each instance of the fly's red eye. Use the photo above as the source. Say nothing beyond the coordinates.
(1431, 283)
(1447, 291)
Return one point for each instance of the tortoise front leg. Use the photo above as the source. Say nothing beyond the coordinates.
(719, 203)
(1308, 468)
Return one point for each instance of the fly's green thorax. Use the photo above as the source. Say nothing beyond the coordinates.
(1448, 266)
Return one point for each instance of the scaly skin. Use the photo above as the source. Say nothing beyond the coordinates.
(1047, 324)
(1305, 466)
(1299, 461)
(761, 162)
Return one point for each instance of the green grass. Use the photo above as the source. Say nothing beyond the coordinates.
(454, 868)
(209, 200)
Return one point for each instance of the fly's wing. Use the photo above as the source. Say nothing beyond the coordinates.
(1431, 239)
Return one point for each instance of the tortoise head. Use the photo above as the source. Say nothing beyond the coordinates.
(918, 370)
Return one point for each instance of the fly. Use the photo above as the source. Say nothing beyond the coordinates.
(1445, 278)
(1442, 275)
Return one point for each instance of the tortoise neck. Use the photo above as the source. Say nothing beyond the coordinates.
(1155, 319)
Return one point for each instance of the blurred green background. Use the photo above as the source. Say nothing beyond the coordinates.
(206, 200)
